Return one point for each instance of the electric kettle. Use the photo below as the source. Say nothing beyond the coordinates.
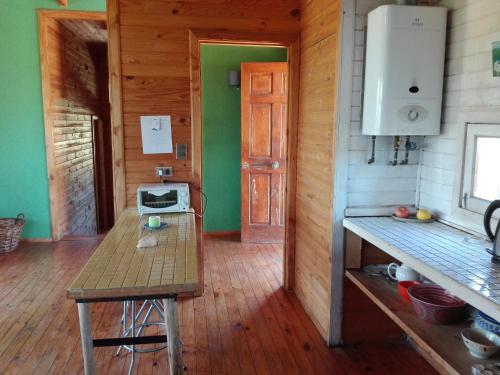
(494, 236)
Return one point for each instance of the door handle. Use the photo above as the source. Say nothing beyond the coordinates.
(246, 165)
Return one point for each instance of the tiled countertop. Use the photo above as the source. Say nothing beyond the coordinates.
(449, 257)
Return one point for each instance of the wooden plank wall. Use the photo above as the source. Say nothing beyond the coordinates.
(74, 100)
(316, 130)
(154, 37)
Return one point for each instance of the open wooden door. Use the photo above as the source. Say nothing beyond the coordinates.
(264, 94)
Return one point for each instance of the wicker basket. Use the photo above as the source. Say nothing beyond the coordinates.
(10, 233)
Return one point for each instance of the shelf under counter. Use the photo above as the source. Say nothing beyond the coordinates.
(441, 345)
(451, 258)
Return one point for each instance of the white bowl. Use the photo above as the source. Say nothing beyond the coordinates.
(481, 343)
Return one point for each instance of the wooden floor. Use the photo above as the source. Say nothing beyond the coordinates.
(244, 323)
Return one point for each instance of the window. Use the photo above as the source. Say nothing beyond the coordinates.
(481, 182)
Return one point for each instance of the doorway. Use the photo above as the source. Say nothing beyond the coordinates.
(74, 64)
(221, 108)
(222, 131)
(292, 43)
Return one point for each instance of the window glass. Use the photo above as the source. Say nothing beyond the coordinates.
(487, 168)
(481, 167)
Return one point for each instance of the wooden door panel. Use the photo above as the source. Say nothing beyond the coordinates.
(279, 132)
(261, 83)
(261, 127)
(281, 83)
(260, 198)
(263, 151)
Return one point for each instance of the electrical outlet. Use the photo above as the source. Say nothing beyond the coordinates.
(164, 171)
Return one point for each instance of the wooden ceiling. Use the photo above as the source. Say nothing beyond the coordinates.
(87, 30)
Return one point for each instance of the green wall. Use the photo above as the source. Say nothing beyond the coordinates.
(23, 169)
(221, 109)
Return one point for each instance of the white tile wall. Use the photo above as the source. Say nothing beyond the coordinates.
(430, 178)
(376, 186)
(468, 88)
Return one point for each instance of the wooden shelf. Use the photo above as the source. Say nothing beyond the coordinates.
(441, 345)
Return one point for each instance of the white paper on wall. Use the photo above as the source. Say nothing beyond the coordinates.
(156, 132)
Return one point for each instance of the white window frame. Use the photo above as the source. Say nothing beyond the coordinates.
(458, 216)
(473, 131)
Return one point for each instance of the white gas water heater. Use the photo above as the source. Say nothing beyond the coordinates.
(404, 69)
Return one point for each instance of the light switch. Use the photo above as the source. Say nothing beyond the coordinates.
(156, 125)
(180, 151)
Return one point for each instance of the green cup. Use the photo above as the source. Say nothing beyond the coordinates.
(154, 221)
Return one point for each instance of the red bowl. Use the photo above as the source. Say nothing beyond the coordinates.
(434, 304)
(403, 289)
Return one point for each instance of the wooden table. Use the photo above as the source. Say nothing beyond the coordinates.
(118, 271)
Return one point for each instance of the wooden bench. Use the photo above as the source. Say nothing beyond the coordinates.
(118, 271)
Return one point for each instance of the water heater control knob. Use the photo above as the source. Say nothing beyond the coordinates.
(413, 115)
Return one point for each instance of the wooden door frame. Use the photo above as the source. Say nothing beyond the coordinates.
(97, 192)
(43, 16)
(292, 43)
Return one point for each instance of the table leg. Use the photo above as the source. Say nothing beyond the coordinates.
(86, 335)
(174, 345)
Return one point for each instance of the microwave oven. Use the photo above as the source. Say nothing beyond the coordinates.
(165, 197)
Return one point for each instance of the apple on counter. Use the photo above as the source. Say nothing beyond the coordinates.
(422, 215)
(402, 212)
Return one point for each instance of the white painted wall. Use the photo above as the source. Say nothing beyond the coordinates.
(470, 94)
(375, 188)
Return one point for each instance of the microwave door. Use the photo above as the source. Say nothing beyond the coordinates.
(159, 200)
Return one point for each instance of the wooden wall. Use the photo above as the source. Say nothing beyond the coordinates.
(316, 130)
(154, 42)
(73, 101)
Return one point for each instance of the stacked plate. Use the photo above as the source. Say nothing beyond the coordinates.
(486, 322)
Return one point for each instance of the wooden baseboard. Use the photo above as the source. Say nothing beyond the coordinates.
(83, 238)
(34, 240)
(226, 233)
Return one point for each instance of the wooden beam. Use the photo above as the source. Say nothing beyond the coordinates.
(115, 84)
(343, 115)
(291, 172)
(353, 247)
(196, 146)
(47, 118)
